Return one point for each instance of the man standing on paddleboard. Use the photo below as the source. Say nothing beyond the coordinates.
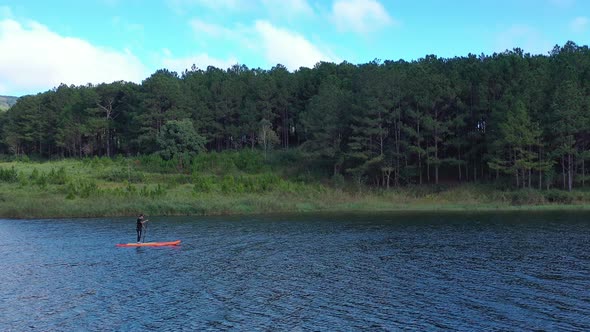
(139, 226)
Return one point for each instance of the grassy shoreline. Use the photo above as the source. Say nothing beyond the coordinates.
(103, 187)
(129, 209)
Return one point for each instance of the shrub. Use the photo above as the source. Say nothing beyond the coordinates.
(23, 158)
(290, 187)
(250, 183)
(41, 181)
(228, 184)
(218, 163)
(177, 179)
(130, 189)
(120, 175)
(202, 183)
(288, 157)
(34, 174)
(151, 193)
(249, 161)
(265, 182)
(57, 177)
(155, 163)
(97, 162)
(8, 175)
(84, 189)
(88, 188)
(527, 197)
(559, 196)
(22, 179)
(120, 159)
(71, 190)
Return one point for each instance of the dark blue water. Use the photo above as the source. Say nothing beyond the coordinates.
(493, 271)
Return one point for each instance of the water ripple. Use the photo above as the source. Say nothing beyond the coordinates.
(376, 272)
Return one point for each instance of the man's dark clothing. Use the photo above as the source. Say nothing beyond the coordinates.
(139, 228)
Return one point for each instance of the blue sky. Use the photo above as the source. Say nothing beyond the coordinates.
(45, 43)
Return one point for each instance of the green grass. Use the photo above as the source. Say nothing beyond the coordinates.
(214, 185)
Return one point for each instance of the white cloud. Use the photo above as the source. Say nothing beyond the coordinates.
(34, 59)
(288, 8)
(523, 36)
(211, 30)
(579, 24)
(287, 48)
(263, 40)
(201, 61)
(205, 32)
(361, 16)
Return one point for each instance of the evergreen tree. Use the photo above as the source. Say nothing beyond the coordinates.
(518, 138)
(324, 121)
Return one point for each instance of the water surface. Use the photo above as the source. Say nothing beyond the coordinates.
(458, 271)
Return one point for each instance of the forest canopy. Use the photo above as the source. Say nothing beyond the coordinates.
(511, 116)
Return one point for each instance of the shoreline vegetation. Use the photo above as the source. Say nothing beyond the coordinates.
(233, 183)
(503, 131)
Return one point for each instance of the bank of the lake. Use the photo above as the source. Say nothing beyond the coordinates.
(102, 187)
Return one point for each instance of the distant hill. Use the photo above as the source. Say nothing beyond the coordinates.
(6, 102)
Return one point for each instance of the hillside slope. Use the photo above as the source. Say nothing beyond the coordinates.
(6, 102)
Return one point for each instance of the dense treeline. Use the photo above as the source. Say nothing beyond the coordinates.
(511, 118)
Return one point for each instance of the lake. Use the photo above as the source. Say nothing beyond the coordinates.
(320, 272)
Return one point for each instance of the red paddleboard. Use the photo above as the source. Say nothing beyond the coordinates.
(149, 244)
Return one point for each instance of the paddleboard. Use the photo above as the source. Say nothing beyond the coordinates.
(149, 244)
